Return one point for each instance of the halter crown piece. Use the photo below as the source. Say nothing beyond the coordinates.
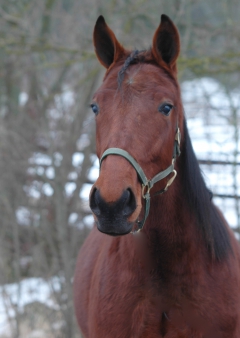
(148, 184)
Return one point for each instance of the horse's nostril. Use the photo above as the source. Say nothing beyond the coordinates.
(94, 202)
(130, 202)
(125, 206)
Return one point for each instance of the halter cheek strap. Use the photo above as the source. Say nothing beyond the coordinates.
(148, 184)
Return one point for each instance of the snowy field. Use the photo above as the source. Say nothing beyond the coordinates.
(14, 297)
(210, 112)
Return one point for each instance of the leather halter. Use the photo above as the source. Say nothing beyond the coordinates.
(148, 184)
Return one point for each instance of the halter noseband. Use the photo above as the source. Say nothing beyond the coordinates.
(148, 184)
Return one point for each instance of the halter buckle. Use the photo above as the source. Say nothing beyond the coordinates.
(178, 136)
(170, 181)
(134, 232)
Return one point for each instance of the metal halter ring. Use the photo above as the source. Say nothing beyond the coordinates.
(145, 191)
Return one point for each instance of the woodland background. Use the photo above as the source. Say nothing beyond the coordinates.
(48, 72)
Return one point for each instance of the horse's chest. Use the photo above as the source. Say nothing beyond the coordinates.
(115, 299)
(125, 301)
(129, 305)
(137, 312)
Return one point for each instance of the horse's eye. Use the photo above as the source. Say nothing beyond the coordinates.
(95, 108)
(165, 108)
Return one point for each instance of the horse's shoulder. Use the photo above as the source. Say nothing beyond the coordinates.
(84, 271)
(89, 251)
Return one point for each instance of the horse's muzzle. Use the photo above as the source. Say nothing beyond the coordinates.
(112, 217)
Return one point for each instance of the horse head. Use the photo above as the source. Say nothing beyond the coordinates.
(138, 110)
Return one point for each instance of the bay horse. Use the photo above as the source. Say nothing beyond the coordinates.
(170, 269)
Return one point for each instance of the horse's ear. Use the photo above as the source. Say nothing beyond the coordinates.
(166, 43)
(107, 47)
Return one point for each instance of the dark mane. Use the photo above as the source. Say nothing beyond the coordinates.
(134, 57)
(209, 219)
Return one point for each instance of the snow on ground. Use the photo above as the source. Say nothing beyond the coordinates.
(16, 296)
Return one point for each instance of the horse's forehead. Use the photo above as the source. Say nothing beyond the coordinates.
(144, 79)
(147, 75)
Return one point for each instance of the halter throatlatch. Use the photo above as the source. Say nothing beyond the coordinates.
(148, 184)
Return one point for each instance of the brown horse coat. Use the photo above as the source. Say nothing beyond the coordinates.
(179, 277)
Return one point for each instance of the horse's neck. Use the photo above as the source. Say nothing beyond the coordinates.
(172, 230)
